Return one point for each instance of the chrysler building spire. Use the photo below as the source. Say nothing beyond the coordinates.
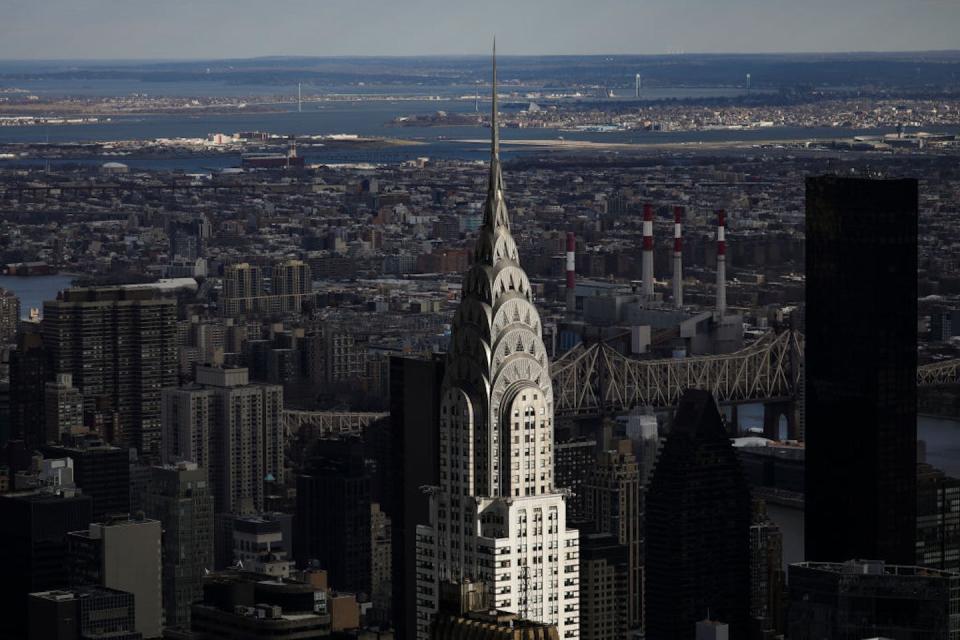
(496, 442)
(495, 210)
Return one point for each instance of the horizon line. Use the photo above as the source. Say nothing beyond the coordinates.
(397, 56)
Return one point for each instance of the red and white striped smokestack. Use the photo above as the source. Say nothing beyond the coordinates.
(721, 262)
(677, 257)
(571, 272)
(648, 250)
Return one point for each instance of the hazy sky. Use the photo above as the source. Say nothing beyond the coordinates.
(44, 29)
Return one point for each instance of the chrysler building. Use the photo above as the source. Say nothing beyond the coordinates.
(496, 516)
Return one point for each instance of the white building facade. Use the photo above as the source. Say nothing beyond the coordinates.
(496, 515)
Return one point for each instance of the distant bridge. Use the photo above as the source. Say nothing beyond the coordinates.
(320, 424)
(598, 379)
(937, 373)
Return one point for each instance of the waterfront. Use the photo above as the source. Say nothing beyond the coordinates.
(372, 119)
(941, 436)
(33, 290)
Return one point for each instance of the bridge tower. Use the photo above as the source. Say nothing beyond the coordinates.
(773, 411)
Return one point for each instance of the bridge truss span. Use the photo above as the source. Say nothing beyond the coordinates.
(319, 424)
(937, 373)
(598, 378)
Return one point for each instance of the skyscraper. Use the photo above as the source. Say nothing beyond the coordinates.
(604, 574)
(381, 565)
(414, 463)
(63, 408)
(698, 517)
(188, 238)
(938, 519)
(101, 471)
(860, 366)
(612, 496)
(333, 514)
(33, 548)
(9, 317)
(242, 289)
(573, 461)
(496, 517)
(122, 554)
(767, 577)
(120, 345)
(185, 416)
(28, 373)
(233, 428)
(291, 284)
(179, 496)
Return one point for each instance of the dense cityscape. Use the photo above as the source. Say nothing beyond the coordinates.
(485, 348)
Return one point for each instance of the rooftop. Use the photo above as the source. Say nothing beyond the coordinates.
(876, 568)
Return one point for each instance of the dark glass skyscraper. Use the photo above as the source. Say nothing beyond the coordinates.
(697, 527)
(860, 364)
(101, 471)
(333, 513)
(33, 549)
(415, 439)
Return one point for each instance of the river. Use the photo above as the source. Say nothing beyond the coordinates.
(33, 290)
(940, 436)
(365, 118)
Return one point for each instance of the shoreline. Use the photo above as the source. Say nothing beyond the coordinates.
(943, 417)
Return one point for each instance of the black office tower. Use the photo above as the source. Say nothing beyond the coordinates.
(101, 471)
(28, 374)
(861, 369)
(415, 434)
(697, 527)
(33, 549)
(333, 514)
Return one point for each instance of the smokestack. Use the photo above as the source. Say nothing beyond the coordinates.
(721, 262)
(677, 257)
(571, 273)
(648, 250)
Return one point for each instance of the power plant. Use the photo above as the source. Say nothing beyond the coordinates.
(638, 317)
